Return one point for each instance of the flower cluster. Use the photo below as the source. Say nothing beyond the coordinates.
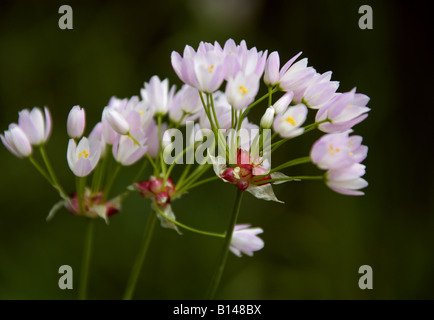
(220, 87)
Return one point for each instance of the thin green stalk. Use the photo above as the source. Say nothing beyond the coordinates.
(137, 267)
(80, 183)
(85, 263)
(139, 173)
(51, 171)
(181, 225)
(191, 186)
(178, 156)
(152, 162)
(132, 138)
(162, 163)
(207, 111)
(224, 254)
(270, 96)
(99, 174)
(291, 163)
(41, 171)
(210, 97)
(184, 175)
(111, 181)
(296, 178)
(194, 176)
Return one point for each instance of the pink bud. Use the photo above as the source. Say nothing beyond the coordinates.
(162, 199)
(242, 185)
(155, 185)
(76, 122)
(228, 175)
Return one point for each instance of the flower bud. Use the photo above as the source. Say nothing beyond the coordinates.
(271, 74)
(282, 104)
(16, 141)
(76, 122)
(268, 118)
(162, 199)
(117, 121)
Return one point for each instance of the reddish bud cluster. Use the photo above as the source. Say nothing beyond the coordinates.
(154, 188)
(89, 201)
(245, 171)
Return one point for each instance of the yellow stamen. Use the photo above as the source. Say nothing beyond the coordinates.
(141, 112)
(349, 106)
(84, 153)
(333, 150)
(211, 69)
(291, 120)
(242, 90)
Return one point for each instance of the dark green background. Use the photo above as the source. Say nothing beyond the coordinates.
(315, 242)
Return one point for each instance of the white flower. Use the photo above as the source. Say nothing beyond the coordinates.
(36, 128)
(288, 124)
(76, 122)
(245, 240)
(82, 159)
(16, 141)
(116, 120)
(241, 90)
(267, 118)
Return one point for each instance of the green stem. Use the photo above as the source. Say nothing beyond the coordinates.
(191, 186)
(111, 181)
(99, 173)
(270, 97)
(296, 178)
(132, 138)
(181, 225)
(80, 183)
(137, 267)
(152, 162)
(139, 174)
(41, 171)
(210, 97)
(224, 254)
(184, 175)
(51, 171)
(193, 177)
(291, 163)
(85, 263)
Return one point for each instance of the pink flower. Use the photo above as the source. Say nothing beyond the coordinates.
(76, 122)
(347, 180)
(16, 141)
(320, 90)
(343, 112)
(241, 90)
(202, 69)
(245, 240)
(297, 79)
(185, 105)
(288, 124)
(158, 95)
(338, 150)
(35, 126)
(84, 157)
(272, 75)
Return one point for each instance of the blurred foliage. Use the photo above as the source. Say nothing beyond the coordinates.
(314, 243)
